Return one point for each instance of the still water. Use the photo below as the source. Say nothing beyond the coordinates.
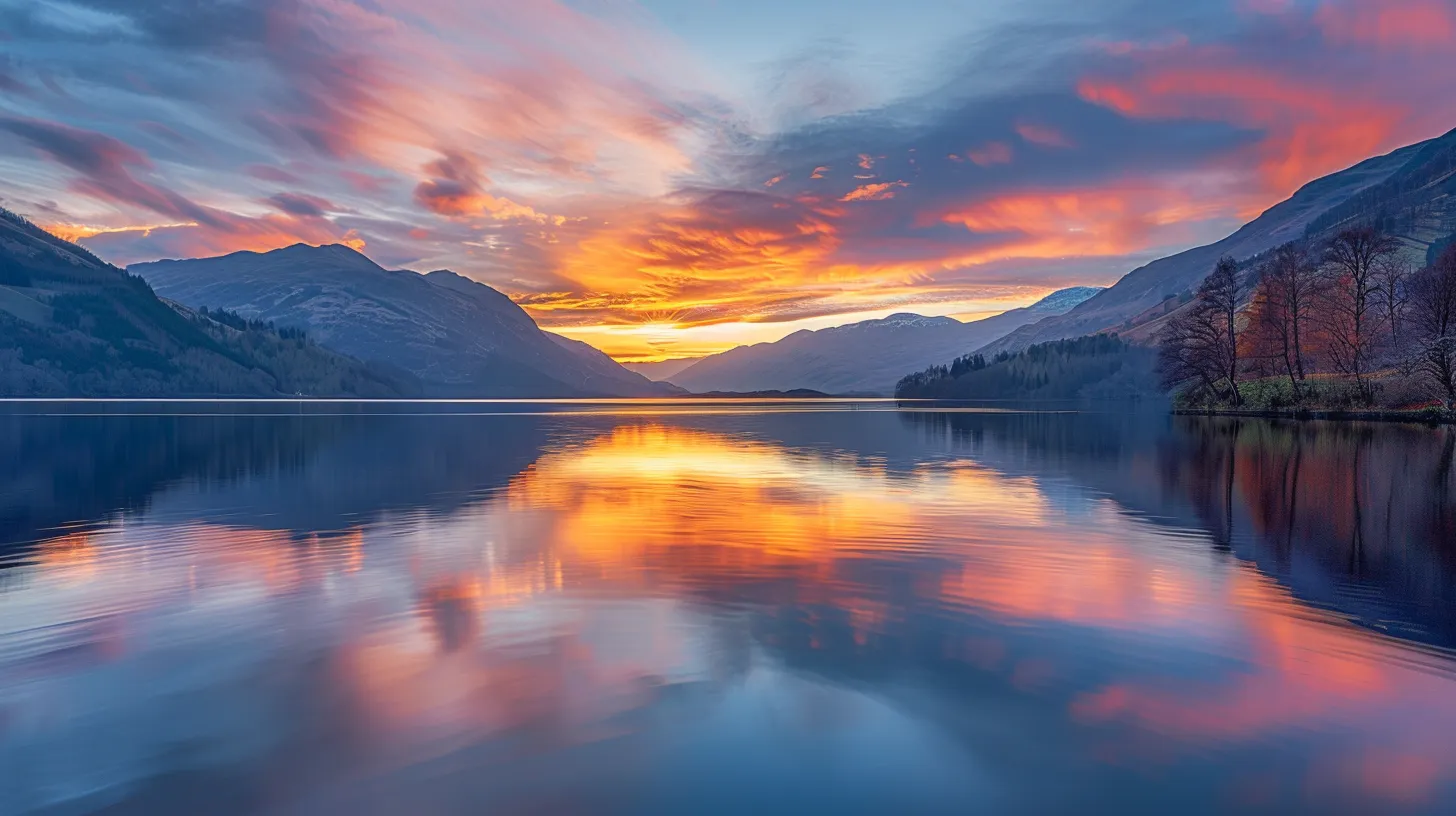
(721, 608)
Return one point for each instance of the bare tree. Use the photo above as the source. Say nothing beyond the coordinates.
(1392, 283)
(1224, 291)
(1283, 303)
(1350, 306)
(1200, 344)
(1432, 326)
(1188, 357)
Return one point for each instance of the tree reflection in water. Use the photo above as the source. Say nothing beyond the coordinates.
(723, 611)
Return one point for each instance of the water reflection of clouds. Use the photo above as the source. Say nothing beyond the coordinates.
(674, 593)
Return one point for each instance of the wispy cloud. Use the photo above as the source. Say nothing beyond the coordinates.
(598, 165)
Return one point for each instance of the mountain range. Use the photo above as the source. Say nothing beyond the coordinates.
(328, 321)
(663, 370)
(462, 339)
(1410, 193)
(861, 358)
(72, 325)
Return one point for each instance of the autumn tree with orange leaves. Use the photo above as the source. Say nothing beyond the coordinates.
(1353, 308)
(1280, 313)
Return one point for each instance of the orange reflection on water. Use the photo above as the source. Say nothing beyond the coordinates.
(603, 575)
(646, 496)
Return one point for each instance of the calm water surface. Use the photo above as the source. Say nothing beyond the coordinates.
(635, 608)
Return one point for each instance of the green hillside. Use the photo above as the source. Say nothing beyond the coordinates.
(72, 325)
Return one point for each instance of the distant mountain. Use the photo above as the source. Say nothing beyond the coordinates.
(72, 325)
(1411, 193)
(597, 361)
(460, 337)
(663, 370)
(861, 358)
(797, 393)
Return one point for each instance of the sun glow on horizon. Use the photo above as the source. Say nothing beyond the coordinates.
(614, 166)
(656, 342)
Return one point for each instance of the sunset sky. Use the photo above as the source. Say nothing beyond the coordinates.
(669, 178)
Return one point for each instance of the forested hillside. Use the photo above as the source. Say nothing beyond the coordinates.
(1347, 322)
(1409, 195)
(1099, 367)
(462, 338)
(73, 325)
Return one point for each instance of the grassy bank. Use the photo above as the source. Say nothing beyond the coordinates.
(1427, 416)
(1396, 399)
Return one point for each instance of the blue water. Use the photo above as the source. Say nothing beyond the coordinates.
(627, 607)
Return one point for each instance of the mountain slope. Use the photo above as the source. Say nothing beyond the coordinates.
(72, 325)
(868, 357)
(663, 370)
(461, 338)
(1412, 191)
(597, 362)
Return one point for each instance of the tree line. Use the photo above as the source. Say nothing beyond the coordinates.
(1101, 366)
(1348, 321)
(233, 320)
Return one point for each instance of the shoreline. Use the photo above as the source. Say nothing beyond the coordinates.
(1423, 416)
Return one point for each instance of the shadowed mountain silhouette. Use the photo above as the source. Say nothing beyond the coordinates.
(72, 325)
(861, 358)
(461, 338)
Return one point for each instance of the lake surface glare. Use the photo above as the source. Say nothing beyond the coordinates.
(721, 607)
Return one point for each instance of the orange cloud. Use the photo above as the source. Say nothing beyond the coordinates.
(77, 232)
(479, 203)
(1072, 223)
(456, 190)
(720, 257)
(874, 192)
(649, 281)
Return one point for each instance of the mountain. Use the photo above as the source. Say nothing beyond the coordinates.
(72, 325)
(603, 366)
(461, 338)
(1410, 192)
(663, 370)
(861, 358)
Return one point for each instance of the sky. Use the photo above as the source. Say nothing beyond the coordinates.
(670, 178)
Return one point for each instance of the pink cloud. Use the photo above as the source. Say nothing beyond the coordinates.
(991, 153)
(1389, 24)
(457, 189)
(1042, 135)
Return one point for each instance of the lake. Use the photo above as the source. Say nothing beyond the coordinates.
(721, 607)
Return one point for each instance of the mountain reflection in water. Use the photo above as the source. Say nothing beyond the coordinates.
(756, 609)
